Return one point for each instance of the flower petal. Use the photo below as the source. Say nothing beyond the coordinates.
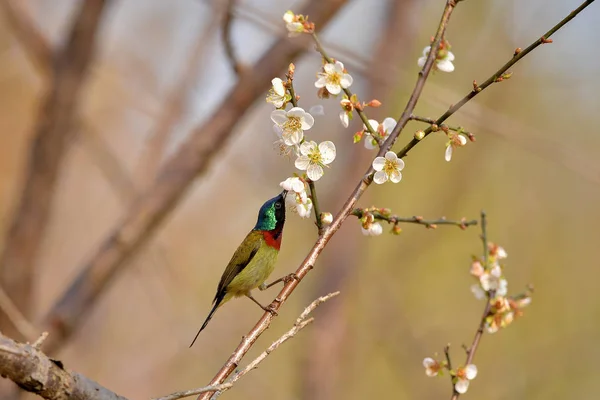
(448, 155)
(388, 125)
(279, 117)
(307, 122)
(327, 150)
(370, 143)
(380, 177)
(462, 386)
(302, 163)
(445, 66)
(378, 163)
(391, 156)
(333, 88)
(396, 176)
(344, 118)
(450, 56)
(375, 229)
(471, 371)
(429, 362)
(421, 61)
(321, 81)
(400, 164)
(307, 147)
(314, 172)
(278, 86)
(462, 139)
(346, 81)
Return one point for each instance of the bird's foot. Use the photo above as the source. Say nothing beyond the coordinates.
(285, 279)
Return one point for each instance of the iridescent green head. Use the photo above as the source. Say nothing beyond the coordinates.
(271, 215)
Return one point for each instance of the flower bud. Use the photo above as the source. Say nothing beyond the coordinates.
(326, 218)
(419, 135)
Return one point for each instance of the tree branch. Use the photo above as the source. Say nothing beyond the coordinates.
(54, 127)
(150, 209)
(324, 238)
(34, 372)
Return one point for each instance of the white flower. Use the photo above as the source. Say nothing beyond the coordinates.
(293, 184)
(456, 140)
(297, 196)
(388, 167)
(374, 229)
(344, 118)
(313, 158)
(432, 367)
(303, 209)
(463, 376)
(383, 130)
(291, 23)
(443, 61)
(334, 79)
(290, 125)
(492, 281)
(276, 94)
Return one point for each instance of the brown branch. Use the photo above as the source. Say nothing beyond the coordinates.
(54, 127)
(486, 310)
(519, 54)
(34, 372)
(150, 210)
(227, 42)
(309, 262)
(32, 40)
(394, 219)
(301, 322)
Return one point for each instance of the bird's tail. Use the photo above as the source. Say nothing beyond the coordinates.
(218, 302)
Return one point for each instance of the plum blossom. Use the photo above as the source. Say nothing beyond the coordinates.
(290, 125)
(372, 229)
(383, 130)
(334, 79)
(432, 367)
(443, 60)
(388, 168)
(463, 376)
(297, 197)
(293, 24)
(456, 140)
(313, 158)
(277, 93)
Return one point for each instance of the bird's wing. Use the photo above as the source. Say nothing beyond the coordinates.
(240, 259)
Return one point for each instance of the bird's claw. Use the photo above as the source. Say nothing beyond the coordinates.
(290, 277)
(271, 309)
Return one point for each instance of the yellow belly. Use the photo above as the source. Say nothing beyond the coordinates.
(255, 273)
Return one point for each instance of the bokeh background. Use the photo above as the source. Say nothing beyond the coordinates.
(534, 168)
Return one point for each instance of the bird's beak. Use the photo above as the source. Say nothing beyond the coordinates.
(283, 194)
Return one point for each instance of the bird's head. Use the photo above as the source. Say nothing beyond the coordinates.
(272, 214)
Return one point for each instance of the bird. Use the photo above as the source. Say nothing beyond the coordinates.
(254, 259)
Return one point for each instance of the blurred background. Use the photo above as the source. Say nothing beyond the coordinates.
(161, 72)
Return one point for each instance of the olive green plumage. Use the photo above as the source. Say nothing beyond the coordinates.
(254, 260)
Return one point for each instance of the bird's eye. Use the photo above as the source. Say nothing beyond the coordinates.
(278, 205)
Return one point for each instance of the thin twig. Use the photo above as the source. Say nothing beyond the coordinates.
(486, 310)
(432, 121)
(316, 208)
(394, 219)
(301, 323)
(494, 78)
(227, 42)
(22, 324)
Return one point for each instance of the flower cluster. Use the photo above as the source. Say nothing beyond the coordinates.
(443, 59)
(461, 377)
(493, 285)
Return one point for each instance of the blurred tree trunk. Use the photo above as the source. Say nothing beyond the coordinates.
(329, 334)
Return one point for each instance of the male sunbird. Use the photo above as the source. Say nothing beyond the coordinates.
(254, 260)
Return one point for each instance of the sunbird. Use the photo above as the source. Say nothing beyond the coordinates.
(254, 259)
